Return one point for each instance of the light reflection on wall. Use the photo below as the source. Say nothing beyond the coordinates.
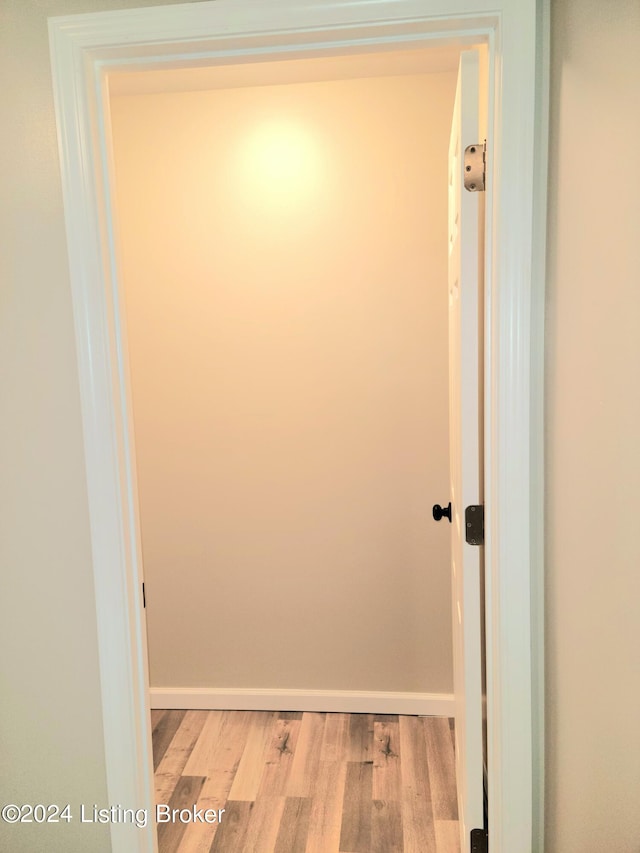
(281, 164)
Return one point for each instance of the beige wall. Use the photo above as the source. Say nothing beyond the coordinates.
(285, 270)
(50, 709)
(593, 418)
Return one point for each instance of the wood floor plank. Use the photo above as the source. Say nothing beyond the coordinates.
(442, 770)
(355, 832)
(290, 785)
(184, 796)
(290, 715)
(197, 838)
(387, 782)
(264, 824)
(163, 734)
(294, 826)
(224, 758)
(304, 767)
(360, 737)
(251, 767)
(325, 821)
(386, 827)
(448, 836)
(417, 814)
(177, 754)
(156, 715)
(232, 832)
(200, 760)
(279, 758)
(334, 737)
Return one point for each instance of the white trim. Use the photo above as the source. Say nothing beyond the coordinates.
(340, 701)
(83, 48)
(537, 423)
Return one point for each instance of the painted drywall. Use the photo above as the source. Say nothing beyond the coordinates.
(50, 711)
(275, 72)
(284, 265)
(593, 412)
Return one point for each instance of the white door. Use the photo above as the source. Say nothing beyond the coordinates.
(465, 402)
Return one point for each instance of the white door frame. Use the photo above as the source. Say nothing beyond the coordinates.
(84, 49)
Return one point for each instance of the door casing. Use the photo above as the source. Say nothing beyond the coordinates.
(84, 49)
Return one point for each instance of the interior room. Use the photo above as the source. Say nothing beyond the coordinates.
(282, 242)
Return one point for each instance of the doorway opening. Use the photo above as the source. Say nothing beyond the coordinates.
(283, 260)
(282, 244)
(85, 49)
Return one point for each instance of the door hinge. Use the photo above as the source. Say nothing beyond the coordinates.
(479, 841)
(144, 597)
(474, 524)
(475, 157)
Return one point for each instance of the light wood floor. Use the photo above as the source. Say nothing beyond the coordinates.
(307, 783)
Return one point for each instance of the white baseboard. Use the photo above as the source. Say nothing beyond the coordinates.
(345, 701)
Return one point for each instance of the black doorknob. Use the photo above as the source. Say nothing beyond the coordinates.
(439, 512)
